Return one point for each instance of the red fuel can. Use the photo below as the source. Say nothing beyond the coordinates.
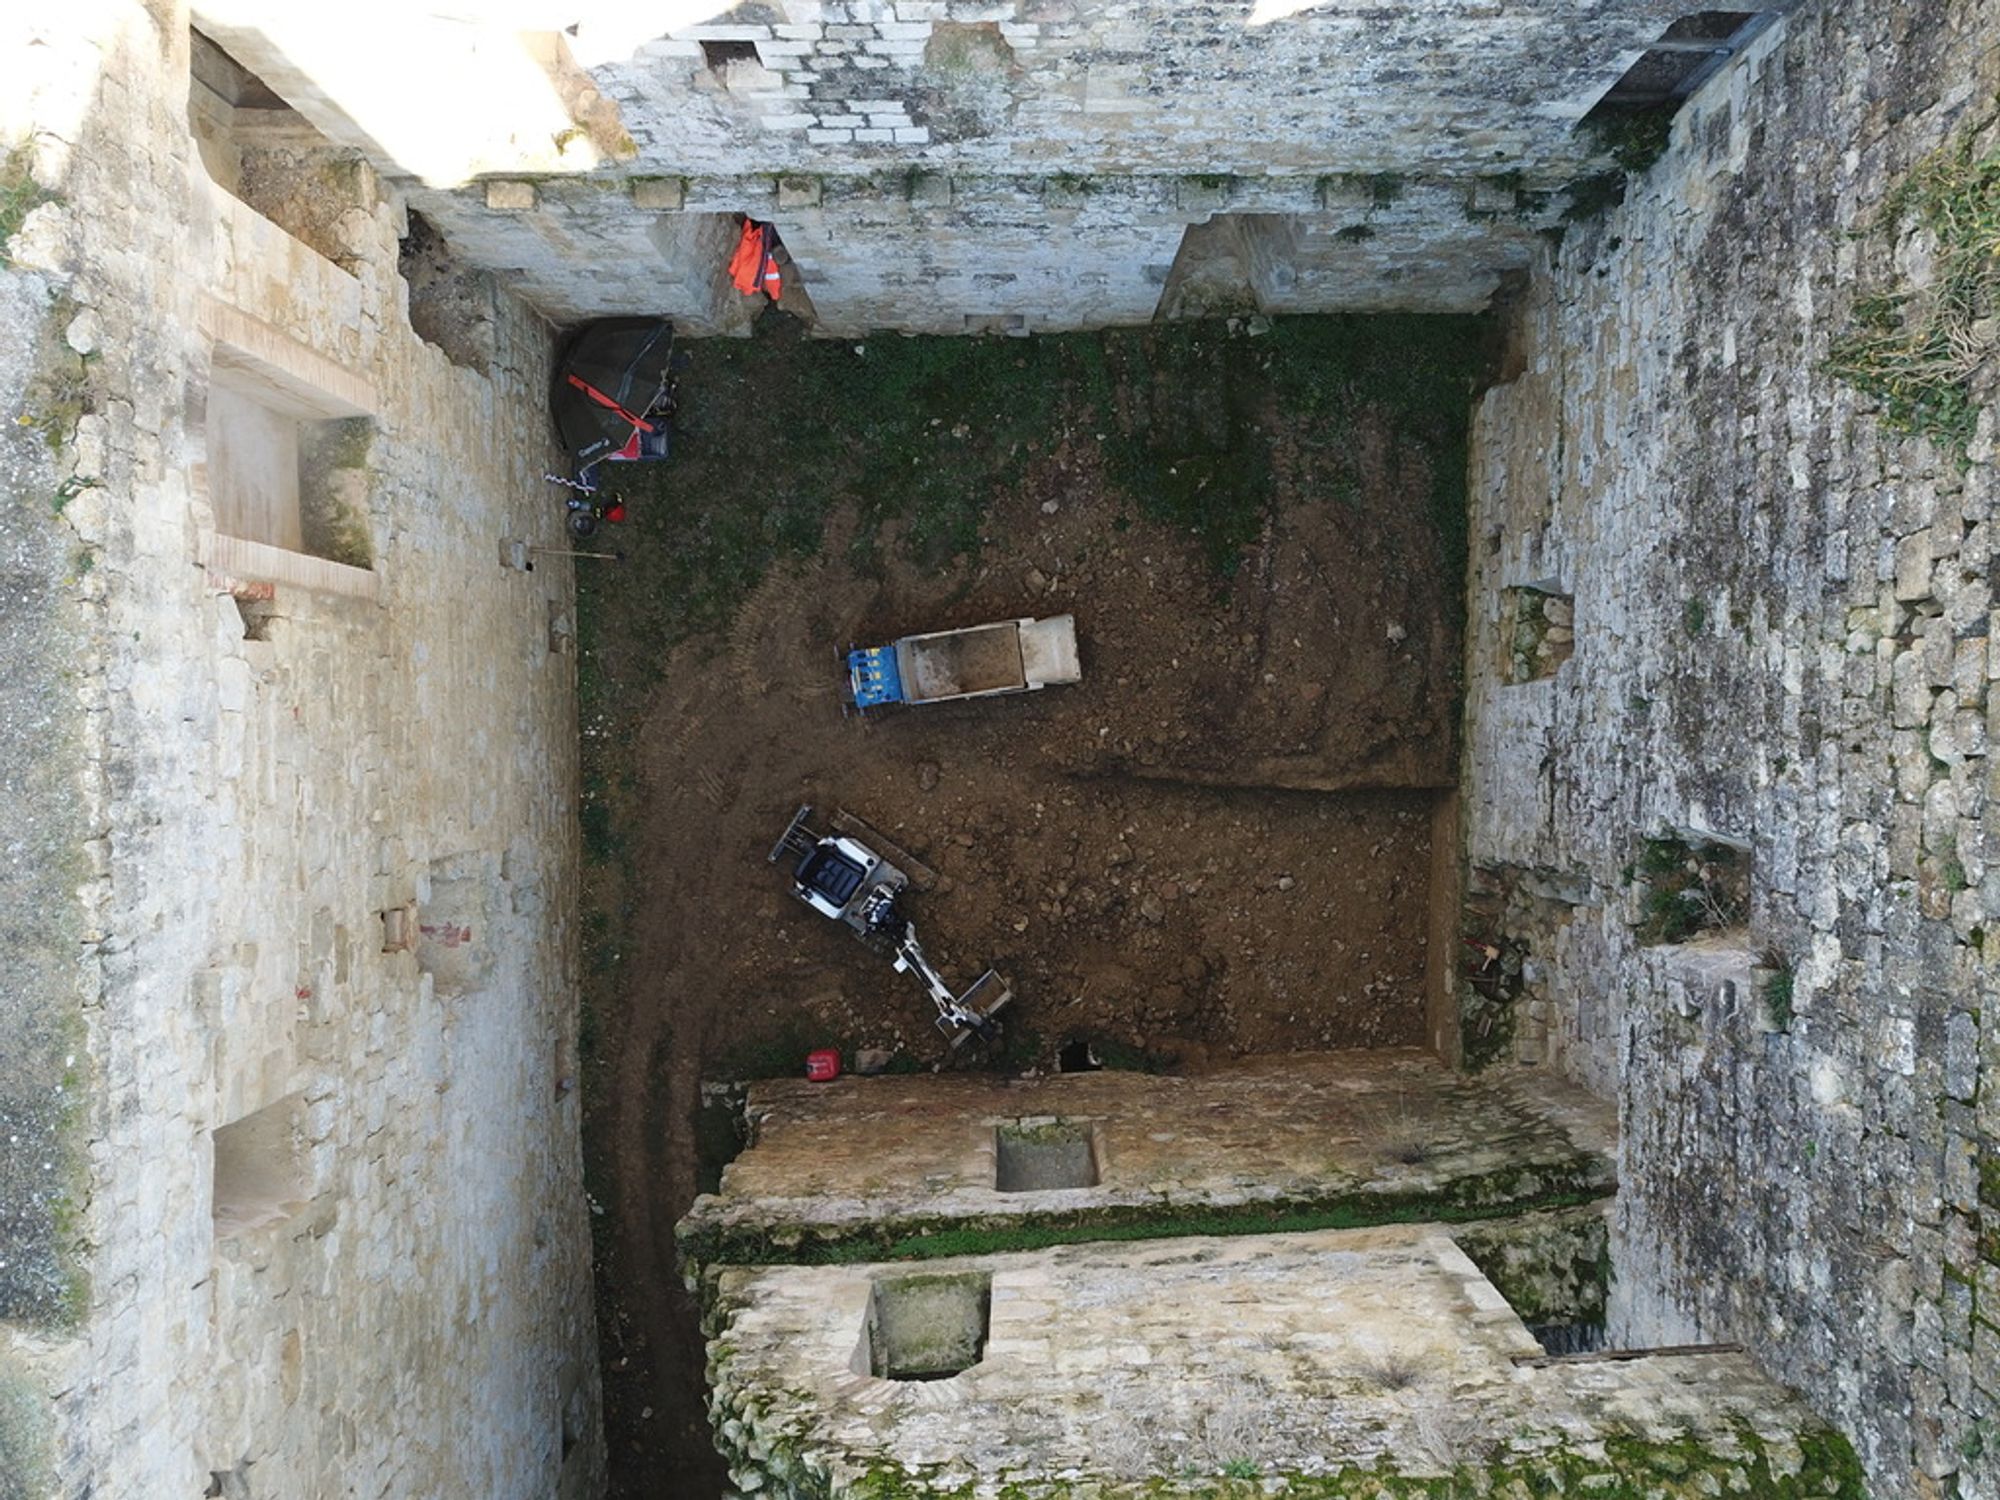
(823, 1065)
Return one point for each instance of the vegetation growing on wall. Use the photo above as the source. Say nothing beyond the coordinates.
(1552, 1268)
(1625, 1466)
(1633, 138)
(1920, 349)
(20, 195)
(1690, 887)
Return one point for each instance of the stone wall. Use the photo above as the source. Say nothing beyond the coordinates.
(1369, 1362)
(311, 819)
(892, 1164)
(1782, 646)
(944, 166)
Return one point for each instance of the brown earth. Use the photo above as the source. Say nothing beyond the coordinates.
(1218, 843)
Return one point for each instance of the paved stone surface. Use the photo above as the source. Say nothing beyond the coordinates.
(1369, 1132)
(1783, 638)
(1271, 1355)
(252, 786)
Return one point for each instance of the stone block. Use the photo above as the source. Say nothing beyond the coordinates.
(799, 192)
(1910, 691)
(1913, 567)
(510, 197)
(659, 194)
(1203, 196)
(931, 189)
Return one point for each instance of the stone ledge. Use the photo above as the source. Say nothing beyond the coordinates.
(236, 557)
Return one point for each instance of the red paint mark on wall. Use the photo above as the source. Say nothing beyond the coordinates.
(447, 934)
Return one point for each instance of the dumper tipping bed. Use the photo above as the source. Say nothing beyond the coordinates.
(1012, 656)
(959, 663)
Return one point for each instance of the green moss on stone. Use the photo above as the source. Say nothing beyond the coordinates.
(1626, 1468)
(1551, 1267)
(1564, 1183)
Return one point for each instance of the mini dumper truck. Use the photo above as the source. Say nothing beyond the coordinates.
(979, 661)
(841, 877)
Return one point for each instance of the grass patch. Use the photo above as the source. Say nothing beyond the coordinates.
(1778, 997)
(929, 432)
(20, 195)
(1633, 138)
(1917, 350)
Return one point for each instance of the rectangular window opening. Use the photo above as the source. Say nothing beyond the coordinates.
(268, 156)
(719, 53)
(286, 466)
(262, 1174)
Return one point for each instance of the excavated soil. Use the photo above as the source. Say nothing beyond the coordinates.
(1218, 843)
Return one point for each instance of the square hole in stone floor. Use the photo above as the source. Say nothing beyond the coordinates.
(928, 1327)
(1035, 1155)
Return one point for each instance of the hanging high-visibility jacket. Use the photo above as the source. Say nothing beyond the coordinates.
(754, 266)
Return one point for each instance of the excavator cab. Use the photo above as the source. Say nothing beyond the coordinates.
(842, 878)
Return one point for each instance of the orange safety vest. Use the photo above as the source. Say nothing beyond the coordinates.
(753, 268)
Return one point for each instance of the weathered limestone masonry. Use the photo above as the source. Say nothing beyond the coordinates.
(292, 1202)
(1327, 1139)
(1783, 640)
(1241, 1342)
(1367, 1362)
(951, 165)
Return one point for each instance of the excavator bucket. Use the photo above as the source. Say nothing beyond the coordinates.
(985, 998)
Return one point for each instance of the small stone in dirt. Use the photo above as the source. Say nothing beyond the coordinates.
(1397, 632)
(927, 774)
(1020, 924)
(871, 1060)
(1035, 580)
(1170, 890)
(1153, 909)
(1285, 882)
(1050, 507)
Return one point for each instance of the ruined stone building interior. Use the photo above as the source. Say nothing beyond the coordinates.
(1502, 938)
